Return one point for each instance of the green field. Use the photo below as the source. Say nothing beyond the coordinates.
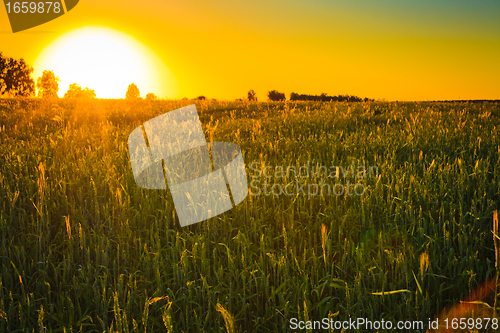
(83, 249)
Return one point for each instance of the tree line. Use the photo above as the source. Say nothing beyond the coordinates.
(16, 81)
(276, 96)
(325, 98)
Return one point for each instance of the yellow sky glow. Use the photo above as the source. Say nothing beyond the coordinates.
(394, 50)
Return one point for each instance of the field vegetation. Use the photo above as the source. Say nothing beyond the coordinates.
(83, 249)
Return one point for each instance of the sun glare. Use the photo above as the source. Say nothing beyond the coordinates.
(107, 61)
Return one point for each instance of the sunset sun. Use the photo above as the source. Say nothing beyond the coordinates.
(107, 61)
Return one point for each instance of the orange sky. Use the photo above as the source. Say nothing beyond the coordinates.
(397, 50)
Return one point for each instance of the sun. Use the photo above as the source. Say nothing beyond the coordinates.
(107, 61)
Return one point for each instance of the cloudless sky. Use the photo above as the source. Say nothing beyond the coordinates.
(392, 49)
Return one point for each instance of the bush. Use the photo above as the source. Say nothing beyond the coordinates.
(275, 95)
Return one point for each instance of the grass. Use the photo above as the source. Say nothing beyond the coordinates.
(83, 249)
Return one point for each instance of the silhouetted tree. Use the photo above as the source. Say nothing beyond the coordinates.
(48, 84)
(132, 92)
(274, 95)
(252, 96)
(15, 77)
(75, 91)
(151, 97)
(201, 98)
